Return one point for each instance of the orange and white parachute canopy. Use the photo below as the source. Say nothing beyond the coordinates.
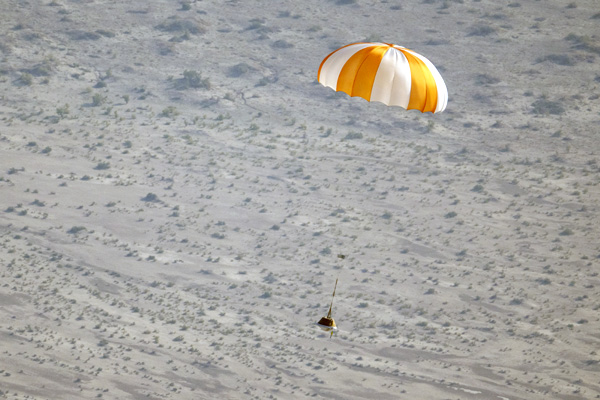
(391, 74)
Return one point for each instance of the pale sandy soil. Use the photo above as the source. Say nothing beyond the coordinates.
(172, 243)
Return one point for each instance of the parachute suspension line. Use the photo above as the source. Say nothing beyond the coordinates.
(341, 257)
(331, 305)
(332, 296)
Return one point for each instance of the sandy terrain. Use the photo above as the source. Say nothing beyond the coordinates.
(175, 187)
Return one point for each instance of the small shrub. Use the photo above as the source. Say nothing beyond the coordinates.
(485, 79)
(584, 43)
(239, 70)
(559, 59)
(282, 44)
(437, 42)
(193, 80)
(543, 106)
(83, 35)
(150, 198)
(477, 188)
(178, 25)
(105, 33)
(258, 25)
(76, 229)
(98, 100)
(353, 136)
(5, 48)
(451, 214)
(62, 111)
(566, 232)
(264, 81)
(41, 69)
(169, 112)
(481, 30)
(181, 38)
(26, 79)
(102, 165)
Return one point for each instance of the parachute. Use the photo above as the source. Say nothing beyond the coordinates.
(384, 72)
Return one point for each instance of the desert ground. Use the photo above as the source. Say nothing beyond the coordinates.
(175, 187)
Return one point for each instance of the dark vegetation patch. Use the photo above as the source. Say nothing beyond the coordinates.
(192, 80)
(584, 42)
(83, 35)
(179, 25)
(544, 106)
(485, 79)
(559, 59)
(41, 69)
(282, 44)
(239, 70)
(481, 30)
